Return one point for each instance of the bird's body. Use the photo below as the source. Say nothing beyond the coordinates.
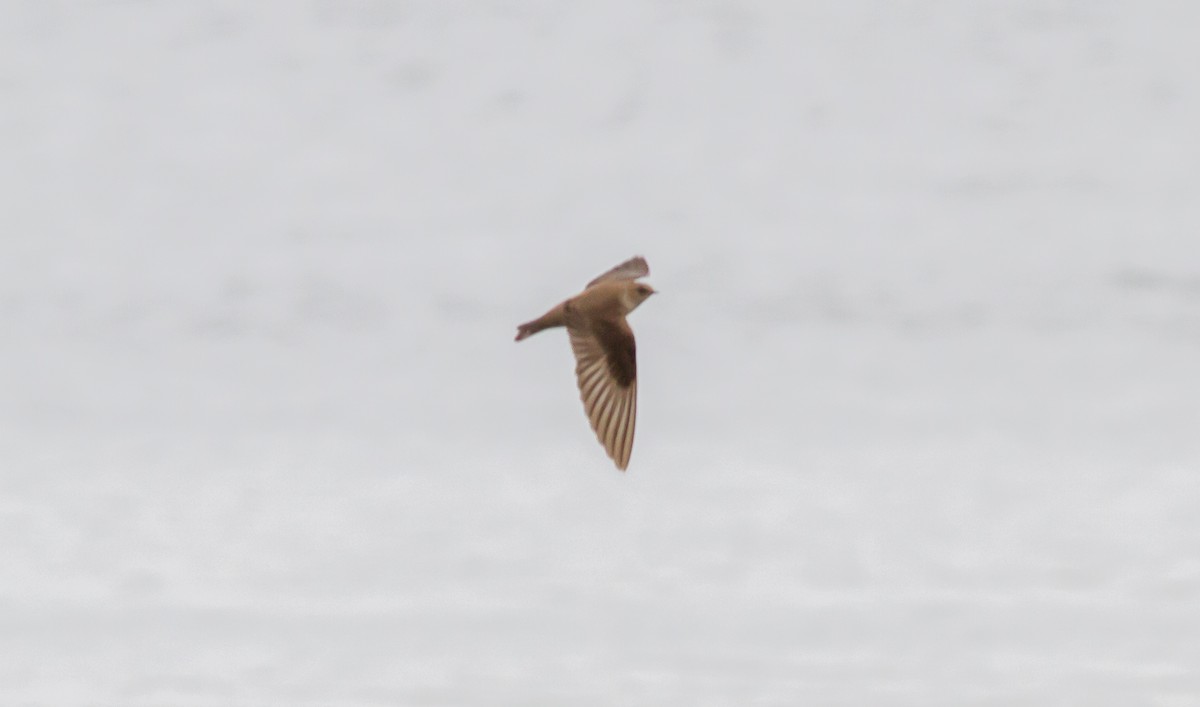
(605, 351)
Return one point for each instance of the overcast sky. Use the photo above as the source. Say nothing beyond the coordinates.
(918, 406)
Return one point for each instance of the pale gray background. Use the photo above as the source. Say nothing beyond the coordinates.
(918, 418)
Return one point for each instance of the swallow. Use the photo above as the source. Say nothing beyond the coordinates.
(605, 351)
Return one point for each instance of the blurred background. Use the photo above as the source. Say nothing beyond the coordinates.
(918, 399)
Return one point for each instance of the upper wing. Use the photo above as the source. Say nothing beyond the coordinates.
(631, 269)
(606, 371)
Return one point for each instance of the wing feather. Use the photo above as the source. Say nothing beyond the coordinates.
(624, 441)
(631, 269)
(610, 406)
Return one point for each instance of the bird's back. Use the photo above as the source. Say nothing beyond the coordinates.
(604, 300)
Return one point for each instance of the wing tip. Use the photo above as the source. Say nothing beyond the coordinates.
(630, 269)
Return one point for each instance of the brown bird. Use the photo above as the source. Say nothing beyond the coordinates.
(605, 353)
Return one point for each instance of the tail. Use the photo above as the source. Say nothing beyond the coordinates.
(525, 331)
(550, 319)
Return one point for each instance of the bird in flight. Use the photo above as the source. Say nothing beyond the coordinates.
(605, 353)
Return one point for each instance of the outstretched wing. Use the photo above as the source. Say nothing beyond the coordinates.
(631, 269)
(606, 371)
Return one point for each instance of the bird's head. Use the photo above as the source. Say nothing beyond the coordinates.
(635, 294)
